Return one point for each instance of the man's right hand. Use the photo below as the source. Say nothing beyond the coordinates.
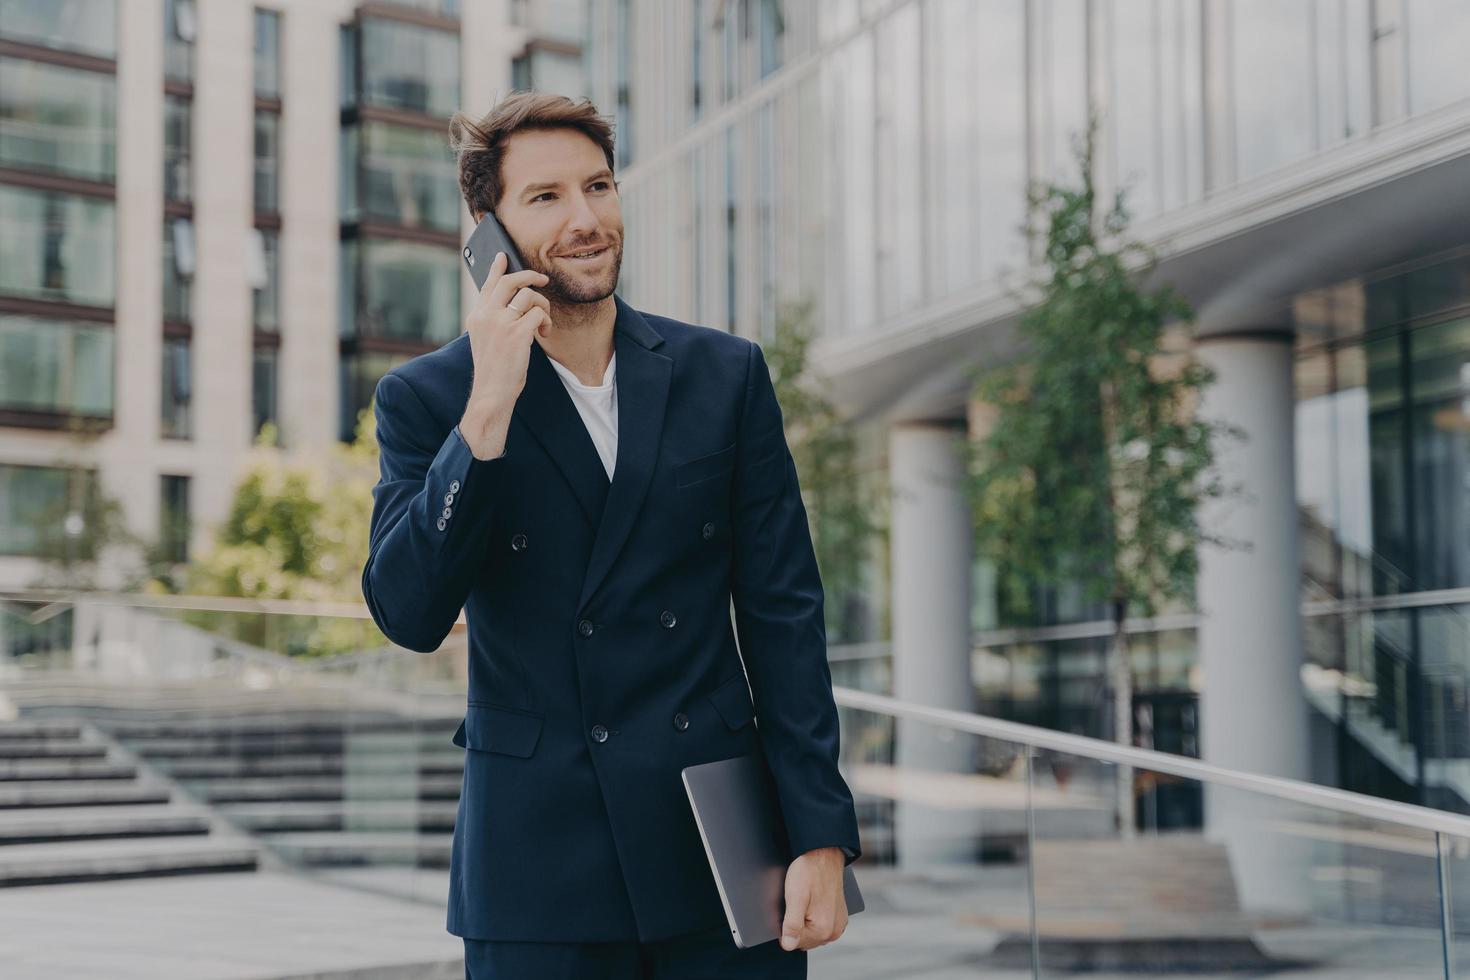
(507, 316)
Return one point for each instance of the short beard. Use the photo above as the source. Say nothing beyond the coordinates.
(562, 288)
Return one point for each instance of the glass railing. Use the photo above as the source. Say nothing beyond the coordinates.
(288, 743)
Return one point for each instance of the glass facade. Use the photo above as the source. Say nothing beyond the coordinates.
(180, 27)
(87, 26)
(265, 372)
(358, 378)
(406, 66)
(57, 120)
(267, 53)
(399, 175)
(34, 502)
(176, 389)
(58, 366)
(173, 516)
(177, 141)
(405, 290)
(56, 246)
(267, 161)
(266, 297)
(178, 269)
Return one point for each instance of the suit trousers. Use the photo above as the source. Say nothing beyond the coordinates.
(709, 954)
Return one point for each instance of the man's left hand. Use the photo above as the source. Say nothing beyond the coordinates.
(816, 907)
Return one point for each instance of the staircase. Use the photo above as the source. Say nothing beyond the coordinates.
(305, 776)
(74, 808)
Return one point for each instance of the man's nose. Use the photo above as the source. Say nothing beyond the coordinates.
(582, 218)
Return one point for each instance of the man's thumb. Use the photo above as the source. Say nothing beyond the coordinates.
(791, 928)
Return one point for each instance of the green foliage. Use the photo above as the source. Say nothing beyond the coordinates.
(295, 530)
(840, 510)
(1096, 465)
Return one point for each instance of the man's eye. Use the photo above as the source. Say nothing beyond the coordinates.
(541, 195)
(600, 183)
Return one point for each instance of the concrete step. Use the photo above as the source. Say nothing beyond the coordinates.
(282, 743)
(64, 769)
(73, 861)
(80, 793)
(224, 767)
(336, 815)
(23, 728)
(272, 788)
(367, 848)
(38, 748)
(46, 824)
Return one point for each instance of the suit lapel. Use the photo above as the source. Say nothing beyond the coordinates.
(547, 410)
(643, 389)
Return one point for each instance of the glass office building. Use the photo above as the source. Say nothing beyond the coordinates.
(1302, 169)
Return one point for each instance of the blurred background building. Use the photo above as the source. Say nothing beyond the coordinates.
(216, 214)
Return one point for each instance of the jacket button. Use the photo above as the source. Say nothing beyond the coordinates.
(518, 543)
(681, 721)
(599, 732)
(708, 530)
(667, 618)
(585, 627)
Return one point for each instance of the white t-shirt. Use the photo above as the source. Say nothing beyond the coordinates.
(598, 406)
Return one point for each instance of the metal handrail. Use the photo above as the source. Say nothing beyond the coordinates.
(1295, 791)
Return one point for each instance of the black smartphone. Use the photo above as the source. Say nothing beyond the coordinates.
(488, 238)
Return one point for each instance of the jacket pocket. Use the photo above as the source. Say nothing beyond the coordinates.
(493, 728)
(706, 467)
(732, 700)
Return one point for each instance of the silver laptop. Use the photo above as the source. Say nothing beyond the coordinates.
(739, 819)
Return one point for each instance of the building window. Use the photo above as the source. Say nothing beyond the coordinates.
(178, 268)
(180, 28)
(405, 290)
(406, 66)
(56, 246)
(399, 175)
(267, 53)
(177, 182)
(176, 388)
(43, 511)
(263, 388)
(55, 366)
(265, 278)
(87, 26)
(57, 120)
(173, 517)
(267, 161)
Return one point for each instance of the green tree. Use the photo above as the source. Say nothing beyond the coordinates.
(294, 531)
(1096, 464)
(840, 508)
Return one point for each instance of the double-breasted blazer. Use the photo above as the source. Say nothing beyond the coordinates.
(602, 654)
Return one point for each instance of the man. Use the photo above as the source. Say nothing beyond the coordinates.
(595, 486)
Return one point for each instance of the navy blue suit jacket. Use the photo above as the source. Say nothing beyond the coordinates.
(602, 658)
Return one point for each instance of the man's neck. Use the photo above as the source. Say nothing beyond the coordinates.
(581, 338)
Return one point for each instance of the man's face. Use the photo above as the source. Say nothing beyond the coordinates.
(559, 199)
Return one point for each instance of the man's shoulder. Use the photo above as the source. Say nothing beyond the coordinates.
(708, 347)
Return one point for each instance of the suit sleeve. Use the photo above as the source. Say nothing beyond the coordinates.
(432, 507)
(778, 601)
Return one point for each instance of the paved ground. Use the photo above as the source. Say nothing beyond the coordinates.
(271, 926)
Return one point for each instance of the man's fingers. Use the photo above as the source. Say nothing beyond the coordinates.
(527, 297)
(794, 922)
(511, 282)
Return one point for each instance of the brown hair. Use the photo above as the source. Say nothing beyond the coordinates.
(480, 145)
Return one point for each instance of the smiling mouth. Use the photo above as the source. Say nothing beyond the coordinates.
(592, 256)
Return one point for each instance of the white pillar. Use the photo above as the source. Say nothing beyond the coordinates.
(931, 556)
(1252, 712)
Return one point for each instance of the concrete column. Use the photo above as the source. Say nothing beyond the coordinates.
(1252, 713)
(138, 329)
(223, 117)
(309, 260)
(931, 557)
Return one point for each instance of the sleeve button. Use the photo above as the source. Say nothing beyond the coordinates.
(454, 486)
(448, 498)
(442, 523)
